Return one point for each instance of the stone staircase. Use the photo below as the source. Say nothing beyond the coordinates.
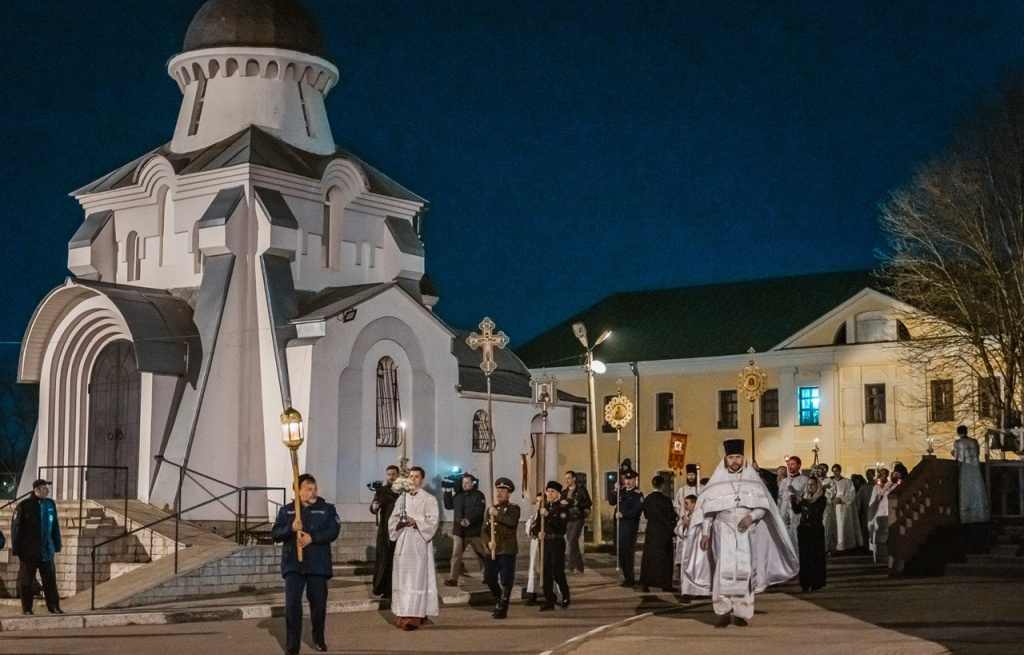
(1004, 558)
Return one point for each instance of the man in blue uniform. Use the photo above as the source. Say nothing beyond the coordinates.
(630, 503)
(35, 539)
(316, 528)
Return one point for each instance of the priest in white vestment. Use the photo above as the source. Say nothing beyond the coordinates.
(791, 489)
(414, 577)
(847, 523)
(743, 545)
(973, 499)
(692, 487)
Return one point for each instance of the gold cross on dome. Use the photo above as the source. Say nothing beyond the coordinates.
(487, 341)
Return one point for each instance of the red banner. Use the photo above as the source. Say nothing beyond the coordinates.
(677, 451)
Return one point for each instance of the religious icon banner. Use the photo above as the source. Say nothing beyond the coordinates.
(677, 451)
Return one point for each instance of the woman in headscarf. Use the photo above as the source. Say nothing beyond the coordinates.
(811, 535)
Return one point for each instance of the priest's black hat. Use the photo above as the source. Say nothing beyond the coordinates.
(554, 485)
(504, 483)
(733, 446)
(691, 468)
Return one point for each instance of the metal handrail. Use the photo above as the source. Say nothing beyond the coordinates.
(81, 486)
(19, 498)
(161, 458)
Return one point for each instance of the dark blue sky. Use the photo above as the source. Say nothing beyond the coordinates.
(569, 149)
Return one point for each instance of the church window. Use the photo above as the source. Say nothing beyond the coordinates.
(666, 411)
(481, 433)
(325, 238)
(606, 426)
(133, 256)
(874, 403)
(197, 105)
(989, 390)
(809, 402)
(770, 408)
(579, 419)
(728, 410)
(165, 224)
(389, 409)
(942, 400)
(305, 112)
(197, 254)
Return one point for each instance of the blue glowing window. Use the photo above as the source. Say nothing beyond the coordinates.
(809, 405)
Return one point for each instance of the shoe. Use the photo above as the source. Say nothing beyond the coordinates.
(28, 613)
(626, 585)
(723, 620)
(56, 610)
(531, 599)
(547, 607)
(565, 603)
(322, 647)
(738, 621)
(451, 583)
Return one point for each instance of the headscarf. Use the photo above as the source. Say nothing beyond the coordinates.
(817, 494)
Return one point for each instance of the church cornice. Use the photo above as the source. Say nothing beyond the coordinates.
(273, 63)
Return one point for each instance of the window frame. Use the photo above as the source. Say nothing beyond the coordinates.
(809, 414)
(388, 404)
(874, 413)
(577, 410)
(665, 415)
(944, 412)
(728, 408)
(765, 412)
(482, 439)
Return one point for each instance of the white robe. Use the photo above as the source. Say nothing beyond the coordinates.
(534, 571)
(681, 530)
(791, 518)
(878, 518)
(828, 488)
(682, 493)
(414, 578)
(847, 522)
(737, 564)
(973, 499)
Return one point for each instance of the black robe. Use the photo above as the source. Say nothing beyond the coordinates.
(657, 560)
(811, 535)
(385, 547)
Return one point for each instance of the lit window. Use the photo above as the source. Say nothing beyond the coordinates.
(809, 405)
(942, 400)
(874, 403)
(389, 410)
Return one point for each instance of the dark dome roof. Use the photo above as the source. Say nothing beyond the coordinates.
(282, 24)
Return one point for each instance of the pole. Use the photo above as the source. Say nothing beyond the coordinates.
(594, 466)
(753, 444)
(490, 464)
(543, 498)
(617, 523)
(636, 426)
(298, 503)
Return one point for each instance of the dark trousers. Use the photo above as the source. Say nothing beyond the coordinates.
(573, 533)
(499, 574)
(315, 587)
(27, 576)
(627, 531)
(554, 569)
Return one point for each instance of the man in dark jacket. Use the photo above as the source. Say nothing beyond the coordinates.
(630, 502)
(35, 539)
(468, 508)
(576, 499)
(553, 517)
(382, 506)
(500, 572)
(316, 528)
(656, 562)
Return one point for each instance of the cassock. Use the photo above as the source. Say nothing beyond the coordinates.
(414, 579)
(811, 534)
(385, 551)
(657, 559)
(790, 516)
(828, 488)
(863, 503)
(847, 524)
(737, 564)
(973, 501)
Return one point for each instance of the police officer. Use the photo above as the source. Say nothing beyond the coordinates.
(627, 520)
(500, 571)
(316, 527)
(35, 539)
(556, 518)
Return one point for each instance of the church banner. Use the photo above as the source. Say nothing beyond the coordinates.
(677, 451)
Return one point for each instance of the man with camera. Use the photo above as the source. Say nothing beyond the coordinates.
(576, 499)
(468, 505)
(383, 504)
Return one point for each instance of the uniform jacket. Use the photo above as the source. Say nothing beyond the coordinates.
(321, 521)
(470, 505)
(554, 523)
(631, 504)
(505, 525)
(579, 502)
(35, 530)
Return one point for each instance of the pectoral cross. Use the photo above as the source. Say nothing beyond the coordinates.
(487, 341)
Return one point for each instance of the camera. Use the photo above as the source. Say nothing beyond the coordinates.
(375, 486)
(453, 481)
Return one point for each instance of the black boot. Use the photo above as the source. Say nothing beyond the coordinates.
(531, 599)
(501, 611)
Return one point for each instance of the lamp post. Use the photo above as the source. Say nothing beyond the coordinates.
(292, 437)
(593, 366)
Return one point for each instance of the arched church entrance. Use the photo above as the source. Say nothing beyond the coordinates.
(114, 389)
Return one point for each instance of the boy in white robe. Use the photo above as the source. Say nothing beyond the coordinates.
(414, 578)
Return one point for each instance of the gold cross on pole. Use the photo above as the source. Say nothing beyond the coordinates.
(487, 341)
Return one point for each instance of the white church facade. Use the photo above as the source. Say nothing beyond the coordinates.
(248, 265)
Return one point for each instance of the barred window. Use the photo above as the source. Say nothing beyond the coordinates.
(942, 400)
(728, 412)
(810, 405)
(666, 404)
(874, 403)
(770, 408)
(482, 439)
(579, 419)
(389, 409)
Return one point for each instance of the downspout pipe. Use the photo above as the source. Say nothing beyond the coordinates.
(636, 423)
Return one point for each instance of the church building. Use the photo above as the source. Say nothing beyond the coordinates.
(248, 265)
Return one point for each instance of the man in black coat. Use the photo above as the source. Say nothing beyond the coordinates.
(627, 523)
(576, 499)
(383, 504)
(657, 560)
(318, 526)
(468, 508)
(35, 539)
(553, 517)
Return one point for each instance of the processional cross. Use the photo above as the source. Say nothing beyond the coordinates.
(487, 341)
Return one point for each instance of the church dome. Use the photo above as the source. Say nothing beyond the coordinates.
(284, 24)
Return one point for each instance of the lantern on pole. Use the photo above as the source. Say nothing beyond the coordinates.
(292, 436)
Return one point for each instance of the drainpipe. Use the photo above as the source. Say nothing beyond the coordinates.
(636, 422)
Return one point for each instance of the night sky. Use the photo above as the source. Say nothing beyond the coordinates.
(569, 149)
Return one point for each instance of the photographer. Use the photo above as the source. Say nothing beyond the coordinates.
(383, 504)
(577, 499)
(468, 504)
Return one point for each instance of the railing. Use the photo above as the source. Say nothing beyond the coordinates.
(16, 500)
(1004, 478)
(927, 499)
(85, 468)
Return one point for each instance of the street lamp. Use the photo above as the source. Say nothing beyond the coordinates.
(593, 366)
(292, 436)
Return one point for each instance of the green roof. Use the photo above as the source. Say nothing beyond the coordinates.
(698, 321)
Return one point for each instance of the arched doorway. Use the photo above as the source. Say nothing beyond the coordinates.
(113, 422)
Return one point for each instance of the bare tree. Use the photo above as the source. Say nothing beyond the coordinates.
(955, 252)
